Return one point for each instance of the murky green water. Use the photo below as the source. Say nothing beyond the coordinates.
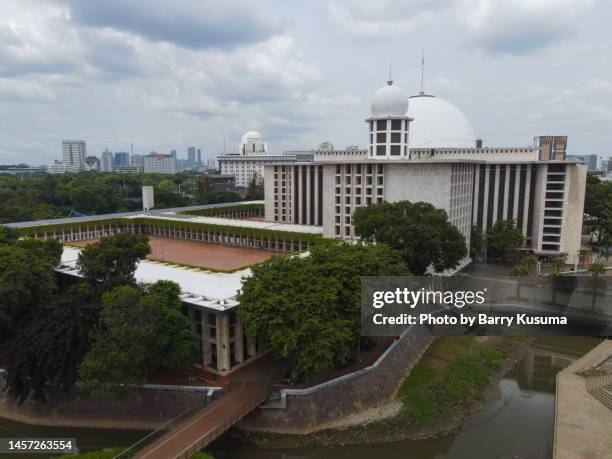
(519, 424)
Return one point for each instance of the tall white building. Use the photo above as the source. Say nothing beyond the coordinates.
(249, 162)
(106, 165)
(423, 148)
(74, 152)
(156, 163)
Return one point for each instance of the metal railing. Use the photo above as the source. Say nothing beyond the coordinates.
(163, 429)
(222, 427)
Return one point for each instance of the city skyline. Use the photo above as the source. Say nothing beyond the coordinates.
(162, 79)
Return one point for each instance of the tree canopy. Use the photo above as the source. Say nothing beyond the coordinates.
(422, 233)
(306, 310)
(139, 331)
(42, 196)
(112, 261)
(504, 240)
(598, 207)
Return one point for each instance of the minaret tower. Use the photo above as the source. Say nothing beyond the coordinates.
(388, 124)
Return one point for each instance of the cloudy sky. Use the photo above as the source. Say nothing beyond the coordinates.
(169, 74)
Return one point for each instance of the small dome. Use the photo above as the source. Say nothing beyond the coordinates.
(438, 124)
(389, 101)
(251, 135)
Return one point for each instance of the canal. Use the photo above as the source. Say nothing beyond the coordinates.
(518, 424)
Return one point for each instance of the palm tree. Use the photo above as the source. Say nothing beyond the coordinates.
(594, 271)
(584, 255)
(557, 264)
(524, 269)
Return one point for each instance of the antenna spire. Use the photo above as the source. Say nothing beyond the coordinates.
(422, 69)
(390, 80)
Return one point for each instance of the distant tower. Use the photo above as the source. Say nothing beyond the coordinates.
(388, 124)
(252, 143)
(74, 152)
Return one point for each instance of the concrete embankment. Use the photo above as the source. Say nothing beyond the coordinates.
(583, 419)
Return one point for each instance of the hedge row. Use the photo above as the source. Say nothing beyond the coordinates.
(217, 211)
(228, 230)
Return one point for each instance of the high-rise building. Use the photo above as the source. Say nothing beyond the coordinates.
(589, 160)
(106, 164)
(121, 159)
(552, 147)
(74, 152)
(249, 162)
(156, 163)
(442, 166)
(199, 156)
(191, 156)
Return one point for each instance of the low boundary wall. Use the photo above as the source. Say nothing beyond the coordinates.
(314, 408)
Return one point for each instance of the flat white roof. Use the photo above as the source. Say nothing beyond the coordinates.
(206, 289)
(310, 229)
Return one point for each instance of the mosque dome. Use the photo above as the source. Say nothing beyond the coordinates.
(251, 135)
(389, 101)
(438, 124)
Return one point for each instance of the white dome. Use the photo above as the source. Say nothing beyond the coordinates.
(251, 135)
(389, 101)
(438, 124)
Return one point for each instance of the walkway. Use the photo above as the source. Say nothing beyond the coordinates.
(582, 422)
(205, 426)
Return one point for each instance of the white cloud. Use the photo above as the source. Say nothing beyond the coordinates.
(383, 19)
(521, 26)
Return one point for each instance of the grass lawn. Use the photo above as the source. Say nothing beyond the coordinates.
(454, 371)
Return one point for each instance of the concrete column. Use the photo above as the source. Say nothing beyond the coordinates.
(238, 341)
(476, 195)
(206, 337)
(506, 192)
(223, 348)
(517, 189)
(526, 205)
(485, 201)
(251, 346)
(300, 187)
(496, 193)
(308, 203)
(316, 196)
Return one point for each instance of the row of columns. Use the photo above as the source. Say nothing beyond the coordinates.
(217, 346)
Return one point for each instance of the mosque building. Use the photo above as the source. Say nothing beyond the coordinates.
(423, 148)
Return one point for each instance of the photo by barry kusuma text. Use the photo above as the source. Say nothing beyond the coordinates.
(461, 305)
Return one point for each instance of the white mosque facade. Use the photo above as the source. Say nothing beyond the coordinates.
(423, 148)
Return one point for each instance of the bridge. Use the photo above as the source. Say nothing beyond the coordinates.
(202, 428)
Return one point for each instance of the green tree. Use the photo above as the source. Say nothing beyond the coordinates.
(255, 190)
(45, 351)
(422, 233)
(556, 263)
(523, 270)
(112, 261)
(595, 270)
(139, 332)
(505, 240)
(306, 310)
(8, 236)
(27, 282)
(477, 242)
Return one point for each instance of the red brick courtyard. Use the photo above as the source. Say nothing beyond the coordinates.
(202, 254)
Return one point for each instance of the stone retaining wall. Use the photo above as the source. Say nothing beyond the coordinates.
(303, 411)
(148, 410)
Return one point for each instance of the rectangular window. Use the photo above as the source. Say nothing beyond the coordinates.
(396, 137)
(381, 137)
(381, 150)
(396, 125)
(396, 150)
(381, 125)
